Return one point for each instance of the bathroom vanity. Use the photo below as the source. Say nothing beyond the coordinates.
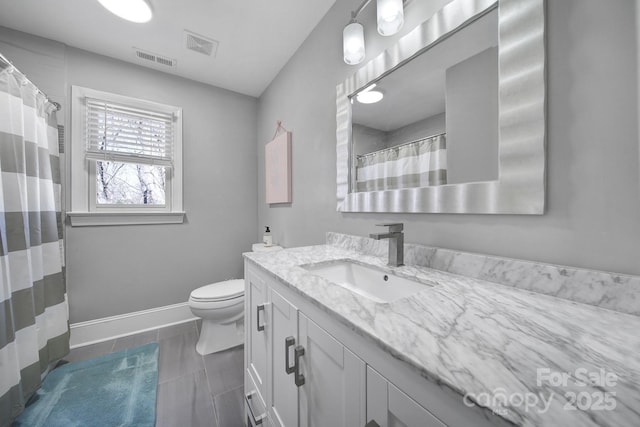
(305, 368)
(459, 352)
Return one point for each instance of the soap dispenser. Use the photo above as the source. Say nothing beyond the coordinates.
(267, 239)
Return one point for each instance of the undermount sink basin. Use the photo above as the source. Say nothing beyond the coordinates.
(367, 281)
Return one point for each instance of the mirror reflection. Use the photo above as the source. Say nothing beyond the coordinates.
(433, 120)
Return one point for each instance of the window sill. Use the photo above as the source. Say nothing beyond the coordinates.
(92, 219)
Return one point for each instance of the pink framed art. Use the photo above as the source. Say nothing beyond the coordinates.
(277, 162)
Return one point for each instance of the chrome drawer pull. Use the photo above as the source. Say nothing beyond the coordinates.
(259, 309)
(288, 342)
(298, 353)
(256, 420)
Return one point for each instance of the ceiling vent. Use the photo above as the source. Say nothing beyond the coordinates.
(200, 44)
(154, 59)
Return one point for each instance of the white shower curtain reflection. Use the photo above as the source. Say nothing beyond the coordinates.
(34, 320)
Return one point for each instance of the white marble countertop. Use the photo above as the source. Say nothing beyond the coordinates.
(504, 348)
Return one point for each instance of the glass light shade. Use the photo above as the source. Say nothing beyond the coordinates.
(137, 11)
(369, 97)
(390, 16)
(353, 43)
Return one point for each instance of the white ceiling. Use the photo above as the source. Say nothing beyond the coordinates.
(256, 37)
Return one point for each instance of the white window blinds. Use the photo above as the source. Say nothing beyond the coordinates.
(127, 134)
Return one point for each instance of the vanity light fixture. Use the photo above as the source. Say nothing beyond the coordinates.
(390, 17)
(138, 11)
(353, 43)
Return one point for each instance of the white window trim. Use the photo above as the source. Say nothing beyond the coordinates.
(81, 171)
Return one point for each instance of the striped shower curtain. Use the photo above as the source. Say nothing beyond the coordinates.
(415, 164)
(34, 320)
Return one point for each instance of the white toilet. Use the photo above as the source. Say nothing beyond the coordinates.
(221, 307)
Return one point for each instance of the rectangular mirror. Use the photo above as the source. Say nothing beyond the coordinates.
(460, 127)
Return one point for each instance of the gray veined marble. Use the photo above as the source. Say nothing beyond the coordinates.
(612, 291)
(483, 339)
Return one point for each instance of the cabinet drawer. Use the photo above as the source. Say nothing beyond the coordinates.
(390, 407)
(408, 411)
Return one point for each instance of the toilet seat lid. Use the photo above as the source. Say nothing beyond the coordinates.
(219, 291)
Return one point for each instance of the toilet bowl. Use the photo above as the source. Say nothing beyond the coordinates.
(221, 307)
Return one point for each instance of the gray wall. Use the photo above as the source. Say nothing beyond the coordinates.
(593, 214)
(472, 119)
(367, 140)
(119, 269)
(115, 270)
(427, 127)
(42, 60)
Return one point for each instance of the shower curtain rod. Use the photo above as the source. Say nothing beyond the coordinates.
(6, 62)
(402, 145)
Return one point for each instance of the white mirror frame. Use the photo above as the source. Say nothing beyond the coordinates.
(520, 188)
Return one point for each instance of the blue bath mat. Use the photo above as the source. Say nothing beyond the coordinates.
(117, 389)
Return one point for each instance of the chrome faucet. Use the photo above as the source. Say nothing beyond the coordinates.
(396, 242)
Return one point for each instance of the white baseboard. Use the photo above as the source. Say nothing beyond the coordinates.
(108, 328)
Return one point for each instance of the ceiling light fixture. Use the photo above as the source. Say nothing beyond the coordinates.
(390, 20)
(137, 11)
(369, 96)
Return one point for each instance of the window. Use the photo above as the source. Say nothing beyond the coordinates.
(126, 160)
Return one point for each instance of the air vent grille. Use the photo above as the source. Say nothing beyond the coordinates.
(144, 55)
(164, 61)
(200, 44)
(149, 58)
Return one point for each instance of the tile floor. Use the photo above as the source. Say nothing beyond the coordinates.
(193, 390)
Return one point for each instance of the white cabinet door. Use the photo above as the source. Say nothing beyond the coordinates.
(387, 406)
(333, 393)
(283, 410)
(256, 332)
